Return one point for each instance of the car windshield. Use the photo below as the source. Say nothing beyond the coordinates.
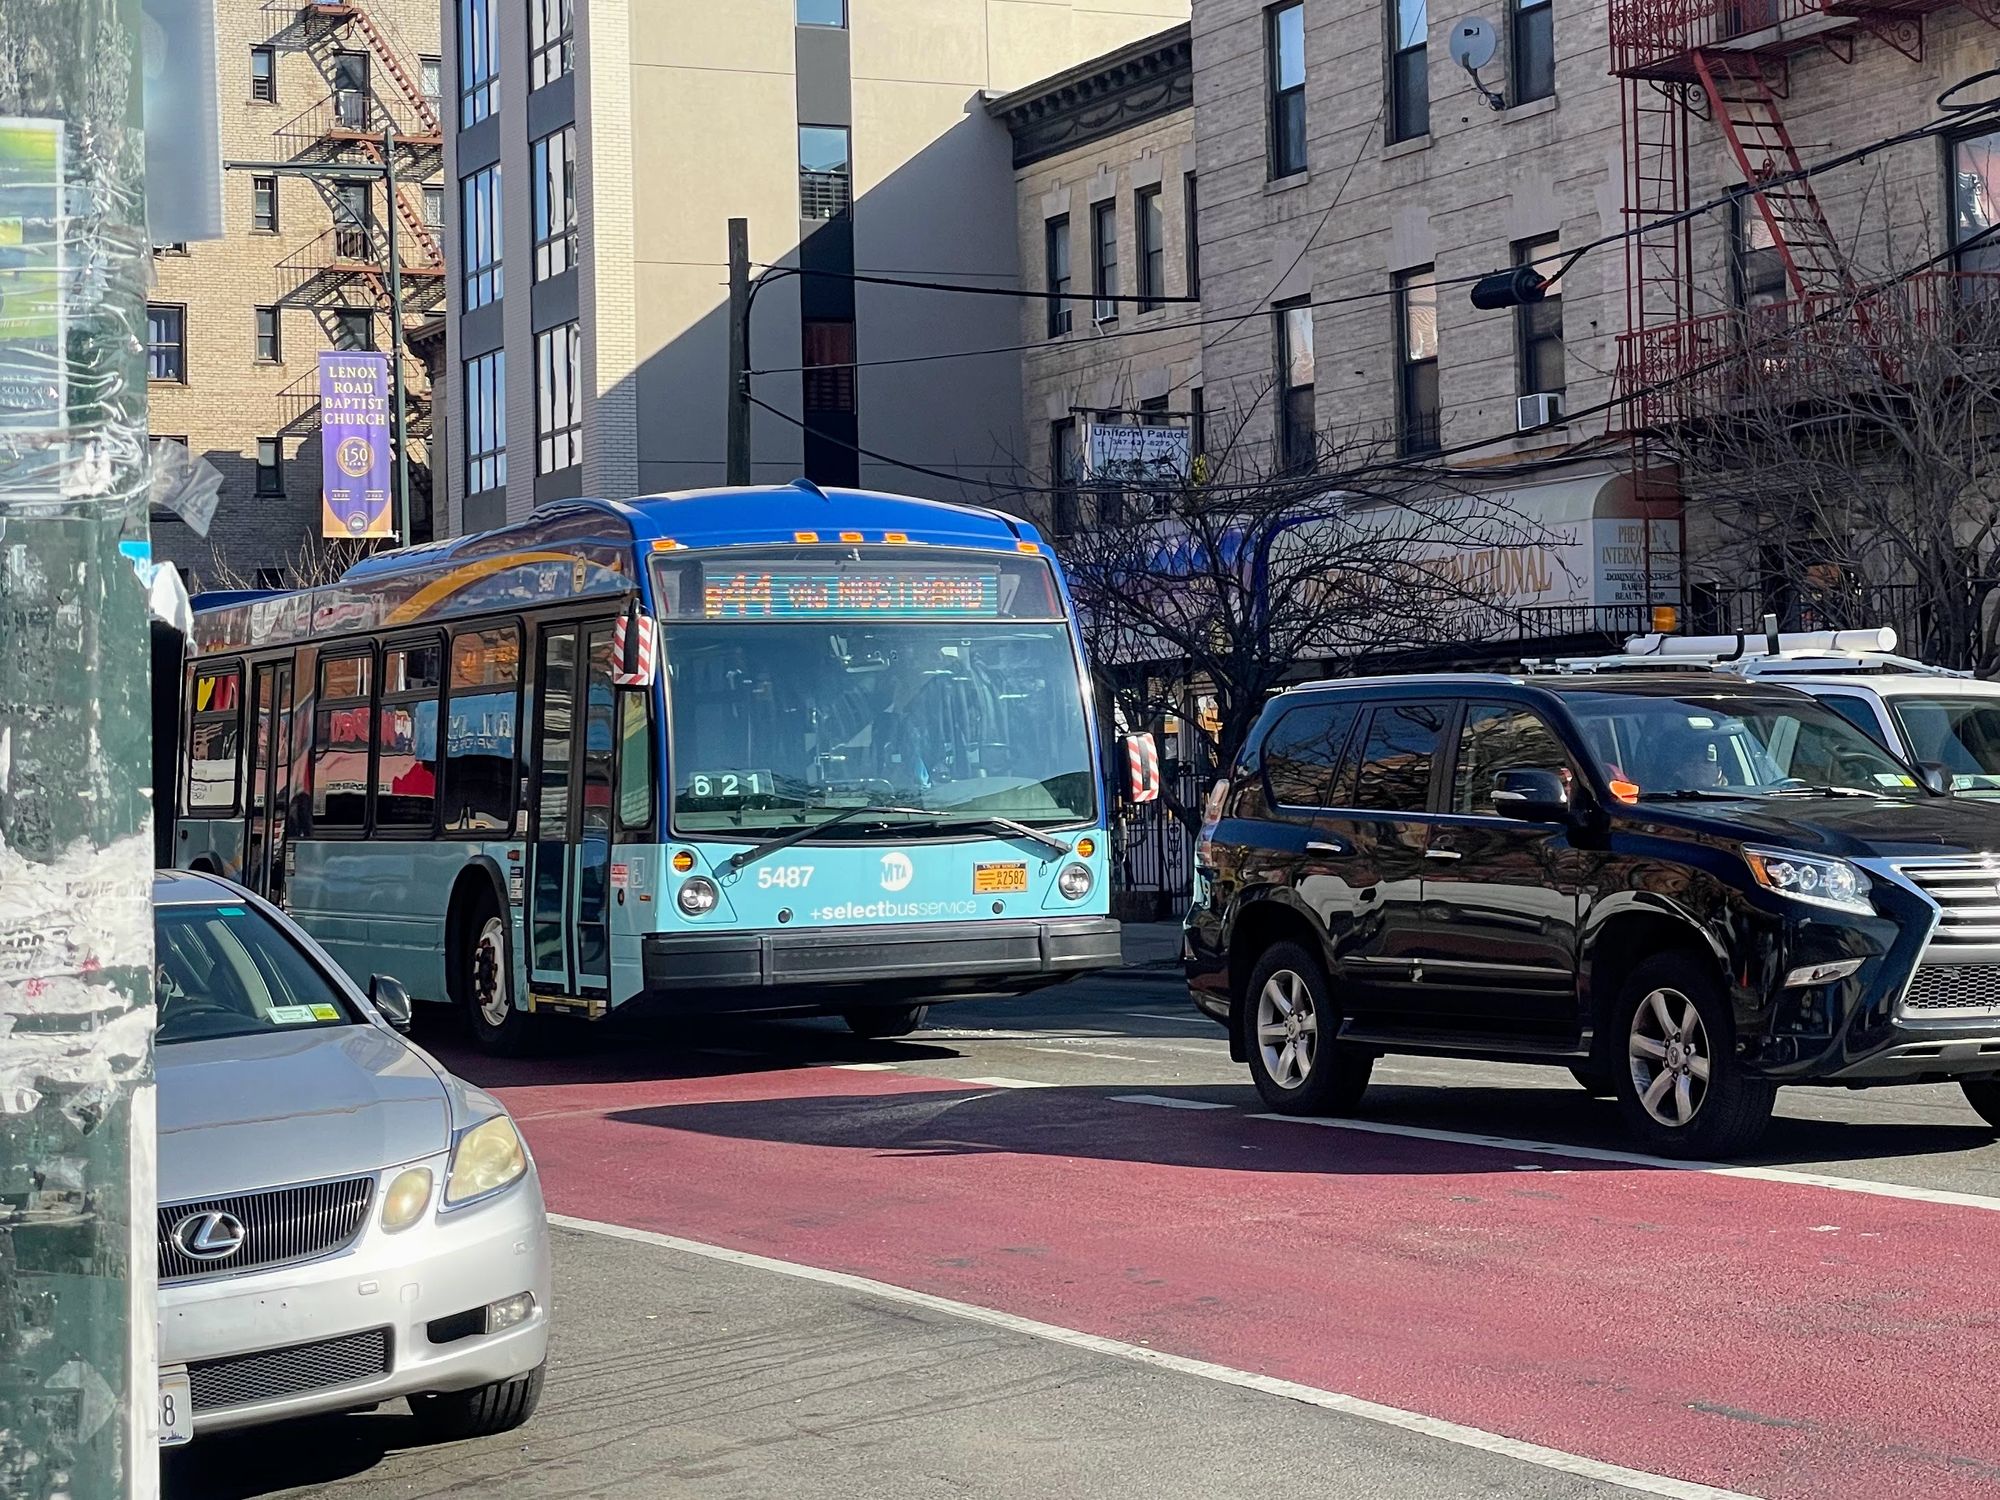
(1727, 745)
(228, 971)
(778, 725)
(1961, 734)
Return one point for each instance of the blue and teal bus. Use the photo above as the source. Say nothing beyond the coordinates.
(765, 749)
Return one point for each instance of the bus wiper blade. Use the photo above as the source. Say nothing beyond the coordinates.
(785, 841)
(988, 820)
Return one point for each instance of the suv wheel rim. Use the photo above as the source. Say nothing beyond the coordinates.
(489, 974)
(1287, 1029)
(1670, 1057)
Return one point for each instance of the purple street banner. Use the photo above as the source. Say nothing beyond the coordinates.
(354, 445)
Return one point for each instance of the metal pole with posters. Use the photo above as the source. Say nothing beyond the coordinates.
(78, 1389)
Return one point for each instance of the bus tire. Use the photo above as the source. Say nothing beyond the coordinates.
(499, 1026)
(879, 1022)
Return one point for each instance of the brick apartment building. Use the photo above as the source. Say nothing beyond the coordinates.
(235, 326)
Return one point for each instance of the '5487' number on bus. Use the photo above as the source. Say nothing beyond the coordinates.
(729, 784)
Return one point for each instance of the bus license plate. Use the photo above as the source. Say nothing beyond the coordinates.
(176, 1408)
(993, 880)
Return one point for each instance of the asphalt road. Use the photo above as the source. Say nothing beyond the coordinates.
(1082, 1181)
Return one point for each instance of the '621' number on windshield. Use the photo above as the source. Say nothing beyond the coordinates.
(729, 784)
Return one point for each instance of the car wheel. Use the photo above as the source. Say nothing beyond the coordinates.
(1682, 1090)
(878, 1022)
(498, 1025)
(1983, 1094)
(1296, 1060)
(481, 1411)
(1595, 1082)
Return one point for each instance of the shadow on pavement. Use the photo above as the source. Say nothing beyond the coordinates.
(309, 1451)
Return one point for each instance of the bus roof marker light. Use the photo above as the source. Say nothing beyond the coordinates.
(895, 536)
(805, 536)
(666, 544)
(1027, 547)
(850, 536)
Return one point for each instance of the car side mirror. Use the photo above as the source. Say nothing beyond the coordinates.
(389, 997)
(1533, 795)
(1936, 777)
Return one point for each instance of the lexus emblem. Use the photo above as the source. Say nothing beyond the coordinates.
(210, 1235)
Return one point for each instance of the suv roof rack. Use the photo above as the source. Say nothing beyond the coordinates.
(1773, 654)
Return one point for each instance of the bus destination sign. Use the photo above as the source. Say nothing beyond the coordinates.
(879, 593)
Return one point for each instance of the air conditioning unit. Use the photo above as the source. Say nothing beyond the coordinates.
(1543, 409)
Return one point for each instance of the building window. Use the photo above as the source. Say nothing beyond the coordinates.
(826, 181)
(431, 71)
(1285, 41)
(558, 399)
(353, 328)
(172, 247)
(1197, 432)
(166, 342)
(1055, 261)
(1191, 229)
(1150, 224)
(827, 346)
(270, 468)
(1297, 440)
(264, 75)
(1975, 206)
(1063, 475)
(1104, 260)
(1153, 412)
(352, 100)
(1758, 269)
(1541, 323)
(264, 205)
(1533, 75)
(1417, 359)
(486, 422)
(555, 203)
(433, 206)
(270, 350)
(1409, 71)
(353, 219)
(822, 12)
(478, 61)
(479, 198)
(270, 578)
(551, 40)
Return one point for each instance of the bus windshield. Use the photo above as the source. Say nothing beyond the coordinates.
(776, 725)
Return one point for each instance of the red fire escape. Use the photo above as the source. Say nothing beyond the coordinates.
(376, 112)
(1728, 61)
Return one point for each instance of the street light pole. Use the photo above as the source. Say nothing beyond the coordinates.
(396, 340)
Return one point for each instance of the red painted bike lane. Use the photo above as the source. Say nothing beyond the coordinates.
(1774, 1338)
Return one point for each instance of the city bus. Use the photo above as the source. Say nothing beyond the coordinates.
(742, 750)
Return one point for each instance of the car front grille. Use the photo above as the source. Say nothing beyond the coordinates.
(279, 1228)
(1967, 892)
(275, 1373)
(1941, 990)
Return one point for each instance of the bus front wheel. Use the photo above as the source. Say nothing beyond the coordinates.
(498, 1025)
(878, 1022)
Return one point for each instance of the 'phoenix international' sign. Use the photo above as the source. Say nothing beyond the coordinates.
(354, 438)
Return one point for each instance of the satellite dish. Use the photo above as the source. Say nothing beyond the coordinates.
(1474, 41)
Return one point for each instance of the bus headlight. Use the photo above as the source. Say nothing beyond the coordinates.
(697, 896)
(1075, 881)
(487, 1158)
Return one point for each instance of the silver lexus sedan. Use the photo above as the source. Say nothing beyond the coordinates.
(341, 1220)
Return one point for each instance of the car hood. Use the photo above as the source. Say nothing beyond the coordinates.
(1854, 828)
(248, 1112)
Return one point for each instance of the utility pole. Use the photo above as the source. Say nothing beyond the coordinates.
(396, 341)
(739, 352)
(78, 1388)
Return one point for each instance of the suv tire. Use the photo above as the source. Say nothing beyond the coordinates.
(1672, 1026)
(1983, 1094)
(880, 1022)
(1290, 1023)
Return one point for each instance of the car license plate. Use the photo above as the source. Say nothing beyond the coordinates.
(991, 880)
(176, 1408)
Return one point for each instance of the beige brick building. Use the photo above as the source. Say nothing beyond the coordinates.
(235, 325)
(1106, 194)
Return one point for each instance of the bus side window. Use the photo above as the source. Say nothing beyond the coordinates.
(479, 788)
(215, 742)
(635, 763)
(406, 765)
(343, 734)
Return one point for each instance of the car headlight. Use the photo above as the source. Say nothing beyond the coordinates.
(486, 1159)
(1808, 877)
(1075, 881)
(697, 896)
(408, 1196)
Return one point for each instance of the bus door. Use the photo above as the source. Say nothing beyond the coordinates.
(270, 790)
(569, 937)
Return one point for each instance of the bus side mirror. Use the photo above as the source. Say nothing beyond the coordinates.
(635, 648)
(1142, 768)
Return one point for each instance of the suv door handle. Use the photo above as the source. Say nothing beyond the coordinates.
(1443, 854)
(1321, 846)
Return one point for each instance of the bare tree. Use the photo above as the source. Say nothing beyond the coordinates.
(315, 561)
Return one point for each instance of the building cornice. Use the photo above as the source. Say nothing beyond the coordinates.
(1140, 82)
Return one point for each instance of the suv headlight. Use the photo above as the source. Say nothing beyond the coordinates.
(486, 1158)
(1810, 878)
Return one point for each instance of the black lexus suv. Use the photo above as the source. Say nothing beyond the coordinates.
(1687, 888)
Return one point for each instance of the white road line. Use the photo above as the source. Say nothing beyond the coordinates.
(1292, 1390)
(1004, 1083)
(1190, 1014)
(875, 1067)
(1163, 1102)
(1092, 1056)
(1639, 1159)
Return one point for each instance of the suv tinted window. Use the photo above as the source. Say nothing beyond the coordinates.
(1396, 758)
(1501, 737)
(1301, 751)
